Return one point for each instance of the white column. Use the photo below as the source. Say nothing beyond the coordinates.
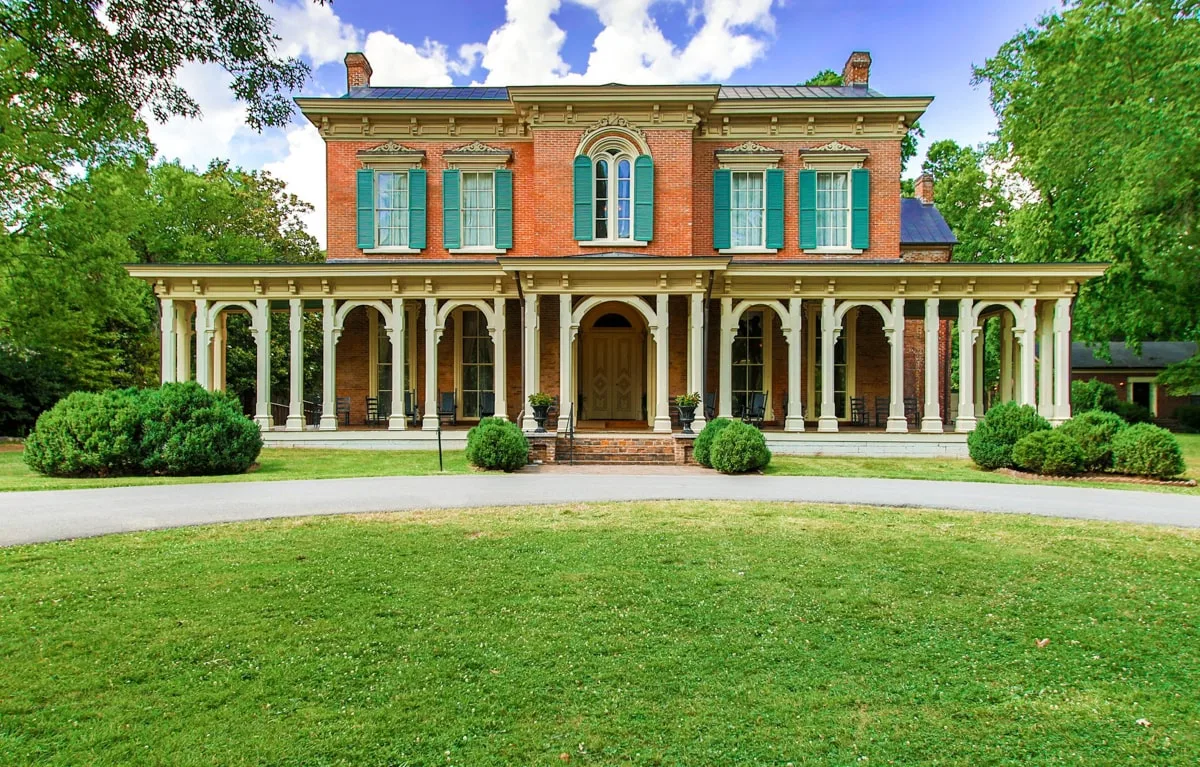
(829, 333)
(168, 345)
(1027, 381)
(725, 374)
(329, 365)
(966, 367)
(203, 339)
(262, 389)
(531, 361)
(397, 335)
(500, 364)
(184, 330)
(696, 357)
(931, 423)
(792, 334)
(1062, 360)
(662, 405)
(431, 422)
(1007, 393)
(220, 342)
(1045, 387)
(295, 417)
(979, 346)
(896, 421)
(566, 338)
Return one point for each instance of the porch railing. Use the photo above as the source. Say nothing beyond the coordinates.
(571, 434)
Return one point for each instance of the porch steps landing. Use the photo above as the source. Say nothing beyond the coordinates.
(625, 449)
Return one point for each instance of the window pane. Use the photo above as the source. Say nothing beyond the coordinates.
(746, 210)
(478, 210)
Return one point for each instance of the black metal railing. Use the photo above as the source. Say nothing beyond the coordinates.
(571, 434)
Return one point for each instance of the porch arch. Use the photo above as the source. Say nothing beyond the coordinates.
(347, 306)
(592, 302)
(455, 303)
(215, 310)
(785, 318)
(982, 306)
(845, 306)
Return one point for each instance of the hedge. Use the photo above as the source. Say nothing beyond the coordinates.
(990, 445)
(739, 448)
(1093, 394)
(702, 447)
(496, 443)
(1149, 451)
(1094, 432)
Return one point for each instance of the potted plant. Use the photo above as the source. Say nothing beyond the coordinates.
(687, 404)
(540, 403)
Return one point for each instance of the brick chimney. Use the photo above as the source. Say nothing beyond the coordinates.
(858, 69)
(358, 71)
(923, 188)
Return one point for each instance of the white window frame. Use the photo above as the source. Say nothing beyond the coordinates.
(849, 210)
(768, 336)
(761, 245)
(1131, 380)
(613, 150)
(403, 210)
(459, 376)
(489, 247)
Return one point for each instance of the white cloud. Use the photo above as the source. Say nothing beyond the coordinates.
(303, 170)
(312, 31)
(196, 142)
(395, 62)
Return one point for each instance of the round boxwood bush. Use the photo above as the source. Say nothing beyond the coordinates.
(497, 444)
(738, 448)
(991, 443)
(96, 434)
(1029, 453)
(1094, 432)
(1062, 455)
(1148, 451)
(702, 447)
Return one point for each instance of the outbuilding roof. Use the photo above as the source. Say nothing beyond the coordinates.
(1155, 354)
(922, 224)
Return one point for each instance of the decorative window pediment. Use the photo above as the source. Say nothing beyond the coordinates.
(477, 156)
(834, 153)
(749, 156)
(392, 155)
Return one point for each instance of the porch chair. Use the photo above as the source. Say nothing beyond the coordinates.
(410, 408)
(710, 405)
(882, 407)
(342, 408)
(447, 409)
(911, 411)
(373, 417)
(858, 411)
(756, 409)
(487, 404)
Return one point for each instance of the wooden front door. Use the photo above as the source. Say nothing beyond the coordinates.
(612, 374)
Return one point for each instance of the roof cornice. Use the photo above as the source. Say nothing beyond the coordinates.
(583, 94)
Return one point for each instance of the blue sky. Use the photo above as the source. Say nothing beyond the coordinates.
(918, 47)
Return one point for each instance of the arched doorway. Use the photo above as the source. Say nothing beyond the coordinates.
(612, 363)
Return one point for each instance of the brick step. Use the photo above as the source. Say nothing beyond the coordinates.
(627, 460)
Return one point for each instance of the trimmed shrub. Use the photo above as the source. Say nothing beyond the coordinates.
(991, 443)
(1093, 394)
(1062, 455)
(497, 444)
(1094, 431)
(702, 447)
(1147, 450)
(96, 434)
(1029, 452)
(1188, 416)
(738, 448)
(1132, 412)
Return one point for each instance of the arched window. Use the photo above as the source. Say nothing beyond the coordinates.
(613, 192)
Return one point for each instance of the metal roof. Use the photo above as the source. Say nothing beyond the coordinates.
(797, 92)
(922, 224)
(1155, 354)
(429, 94)
(731, 92)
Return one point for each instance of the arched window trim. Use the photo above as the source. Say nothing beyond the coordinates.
(613, 150)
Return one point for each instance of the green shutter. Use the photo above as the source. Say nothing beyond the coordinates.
(451, 213)
(722, 192)
(774, 208)
(860, 208)
(583, 198)
(643, 198)
(504, 211)
(366, 208)
(416, 209)
(808, 209)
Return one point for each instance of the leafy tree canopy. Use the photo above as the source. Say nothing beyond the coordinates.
(972, 202)
(75, 76)
(1097, 108)
(908, 145)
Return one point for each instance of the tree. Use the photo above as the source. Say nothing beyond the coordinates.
(1097, 110)
(971, 200)
(75, 76)
(908, 145)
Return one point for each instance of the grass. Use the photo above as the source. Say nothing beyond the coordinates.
(273, 464)
(624, 634)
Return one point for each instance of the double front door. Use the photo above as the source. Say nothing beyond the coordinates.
(613, 374)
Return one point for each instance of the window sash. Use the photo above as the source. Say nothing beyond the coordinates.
(749, 359)
(478, 209)
(840, 371)
(612, 195)
(747, 209)
(478, 361)
(833, 209)
(391, 209)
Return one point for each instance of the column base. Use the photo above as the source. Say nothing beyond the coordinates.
(699, 424)
(431, 423)
(397, 422)
(793, 423)
(562, 424)
(662, 424)
(1056, 421)
(264, 422)
(931, 426)
(294, 423)
(328, 423)
(897, 424)
(528, 424)
(827, 423)
(965, 424)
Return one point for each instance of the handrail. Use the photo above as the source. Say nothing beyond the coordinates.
(571, 434)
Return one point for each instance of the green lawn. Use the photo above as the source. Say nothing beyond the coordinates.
(273, 464)
(632, 634)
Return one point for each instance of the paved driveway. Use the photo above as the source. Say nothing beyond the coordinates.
(59, 514)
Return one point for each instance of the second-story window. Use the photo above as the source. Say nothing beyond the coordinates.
(747, 209)
(391, 209)
(478, 210)
(833, 209)
(613, 174)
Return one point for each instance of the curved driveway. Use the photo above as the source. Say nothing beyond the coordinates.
(58, 514)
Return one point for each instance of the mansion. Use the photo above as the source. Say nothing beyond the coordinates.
(614, 246)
